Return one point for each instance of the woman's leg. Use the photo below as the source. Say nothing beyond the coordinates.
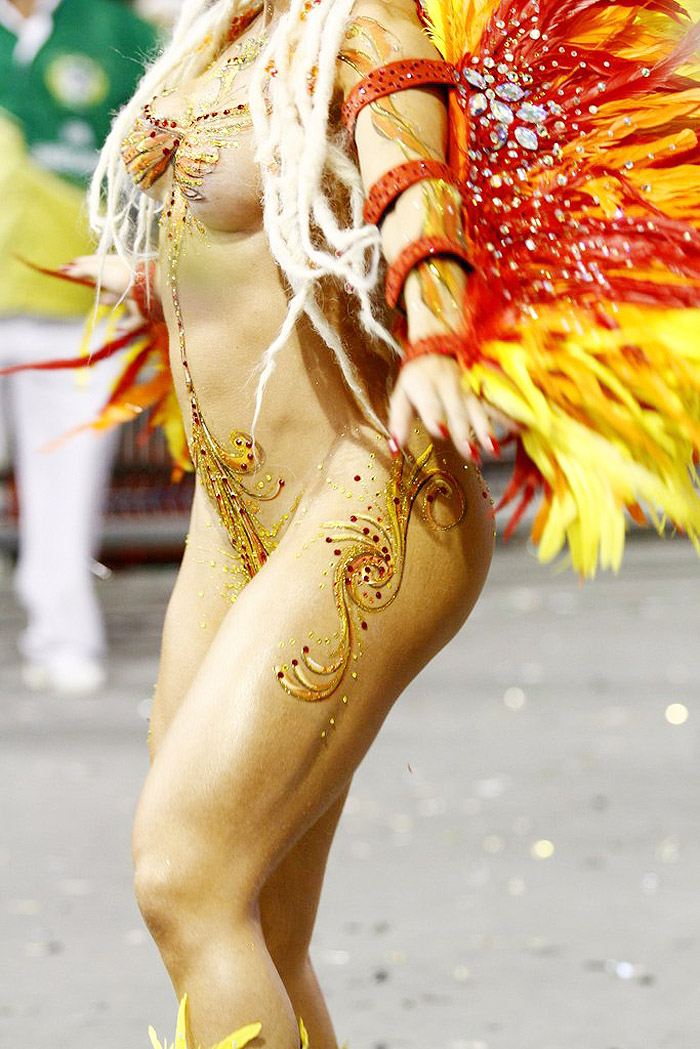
(289, 902)
(199, 603)
(245, 769)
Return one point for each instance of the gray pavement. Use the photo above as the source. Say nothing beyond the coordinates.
(446, 923)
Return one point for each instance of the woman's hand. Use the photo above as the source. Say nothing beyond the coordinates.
(113, 273)
(430, 387)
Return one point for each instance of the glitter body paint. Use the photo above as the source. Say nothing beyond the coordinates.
(230, 475)
(367, 566)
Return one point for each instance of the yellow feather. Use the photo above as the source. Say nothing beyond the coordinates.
(605, 433)
(238, 1040)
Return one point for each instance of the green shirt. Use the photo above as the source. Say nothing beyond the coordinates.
(55, 111)
(64, 99)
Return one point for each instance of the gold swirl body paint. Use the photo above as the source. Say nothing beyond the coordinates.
(368, 559)
(229, 472)
(230, 480)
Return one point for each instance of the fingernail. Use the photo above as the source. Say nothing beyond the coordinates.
(394, 447)
(444, 431)
(495, 447)
(475, 453)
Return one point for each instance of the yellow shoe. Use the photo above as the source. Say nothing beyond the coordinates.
(237, 1040)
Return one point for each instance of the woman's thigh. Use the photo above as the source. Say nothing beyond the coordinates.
(361, 592)
(207, 585)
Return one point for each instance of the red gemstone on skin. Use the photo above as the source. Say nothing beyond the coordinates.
(305, 650)
(357, 477)
(295, 662)
(328, 539)
(364, 625)
(337, 553)
(379, 594)
(280, 673)
(365, 531)
(353, 518)
(375, 538)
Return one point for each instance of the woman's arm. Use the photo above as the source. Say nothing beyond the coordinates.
(138, 290)
(114, 272)
(411, 125)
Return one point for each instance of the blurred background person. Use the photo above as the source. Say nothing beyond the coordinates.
(65, 67)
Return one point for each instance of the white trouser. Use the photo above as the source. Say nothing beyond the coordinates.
(60, 491)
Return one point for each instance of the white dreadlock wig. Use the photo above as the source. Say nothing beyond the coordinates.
(298, 161)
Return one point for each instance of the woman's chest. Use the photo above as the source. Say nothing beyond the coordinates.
(196, 143)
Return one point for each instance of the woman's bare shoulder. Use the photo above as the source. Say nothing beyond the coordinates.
(400, 16)
(399, 20)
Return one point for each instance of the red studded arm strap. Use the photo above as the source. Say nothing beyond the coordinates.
(391, 185)
(395, 76)
(446, 240)
(419, 251)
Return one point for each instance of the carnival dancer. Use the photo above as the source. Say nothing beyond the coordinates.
(65, 67)
(540, 236)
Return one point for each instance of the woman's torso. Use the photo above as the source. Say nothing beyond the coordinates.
(232, 298)
(225, 302)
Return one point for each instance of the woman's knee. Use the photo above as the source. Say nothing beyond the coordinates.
(184, 881)
(162, 885)
(160, 899)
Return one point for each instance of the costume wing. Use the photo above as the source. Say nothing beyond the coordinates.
(574, 130)
(143, 387)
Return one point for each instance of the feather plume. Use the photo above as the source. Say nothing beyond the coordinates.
(576, 132)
